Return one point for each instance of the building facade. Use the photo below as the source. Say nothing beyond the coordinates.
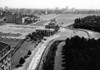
(5, 56)
(45, 32)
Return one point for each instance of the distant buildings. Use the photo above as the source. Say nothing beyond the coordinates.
(18, 18)
(11, 17)
(5, 57)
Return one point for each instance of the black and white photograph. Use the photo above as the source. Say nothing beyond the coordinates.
(49, 35)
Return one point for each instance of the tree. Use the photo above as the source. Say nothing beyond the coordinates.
(22, 60)
(88, 22)
(29, 52)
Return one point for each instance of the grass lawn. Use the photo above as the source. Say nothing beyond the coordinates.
(10, 34)
(48, 17)
(41, 23)
(11, 42)
(69, 18)
(21, 52)
(58, 58)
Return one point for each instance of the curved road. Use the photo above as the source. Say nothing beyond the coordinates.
(68, 33)
(36, 59)
(39, 53)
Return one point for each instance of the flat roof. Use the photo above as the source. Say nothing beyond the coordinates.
(45, 29)
(2, 46)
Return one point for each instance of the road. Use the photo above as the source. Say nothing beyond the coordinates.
(60, 35)
(36, 58)
(38, 54)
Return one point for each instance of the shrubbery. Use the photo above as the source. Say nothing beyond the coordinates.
(29, 52)
(35, 36)
(19, 65)
(81, 54)
(21, 61)
(89, 22)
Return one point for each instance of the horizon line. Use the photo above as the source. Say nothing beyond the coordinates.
(49, 8)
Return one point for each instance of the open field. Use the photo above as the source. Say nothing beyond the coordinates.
(65, 18)
(48, 17)
(44, 19)
(21, 52)
(11, 42)
(17, 31)
(41, 23)
(69, 18)
(10, 34)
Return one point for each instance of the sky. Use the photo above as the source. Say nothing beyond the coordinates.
(41, 4)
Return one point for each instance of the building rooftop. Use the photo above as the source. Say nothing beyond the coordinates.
(44, 29)
(2, 46)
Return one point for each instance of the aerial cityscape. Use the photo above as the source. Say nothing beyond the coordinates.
(49, 38)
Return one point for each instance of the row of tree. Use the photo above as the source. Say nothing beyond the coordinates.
(48, 64)
(81, 54)
(22, 59)
(89, 22)
(35, 36)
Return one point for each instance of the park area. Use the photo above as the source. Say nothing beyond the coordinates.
(10, 34)
(69, 18)
(16, 31)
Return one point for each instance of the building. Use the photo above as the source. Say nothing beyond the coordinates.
(5, 56)
(13, 18)
(18, 18)
(45, 32)
(52, 24)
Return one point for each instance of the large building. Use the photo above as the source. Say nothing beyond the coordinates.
(5, 56)
(18, 18)
(45, 32)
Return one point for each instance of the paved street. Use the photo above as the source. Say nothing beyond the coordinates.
(38, 54)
